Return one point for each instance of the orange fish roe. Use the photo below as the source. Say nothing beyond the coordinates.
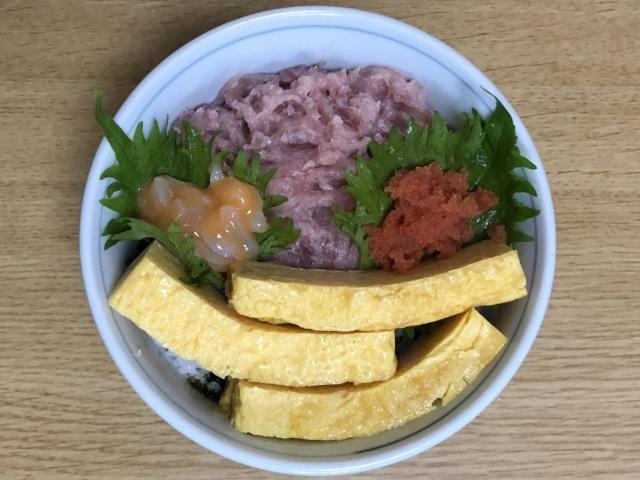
(430, 215)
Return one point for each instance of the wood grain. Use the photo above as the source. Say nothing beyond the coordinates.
(571, 68)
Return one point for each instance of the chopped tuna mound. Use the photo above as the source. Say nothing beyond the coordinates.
(430, 215)
(310, 123)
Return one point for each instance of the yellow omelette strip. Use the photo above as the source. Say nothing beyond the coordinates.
(438, 366)
(197, 324)
(486, 273)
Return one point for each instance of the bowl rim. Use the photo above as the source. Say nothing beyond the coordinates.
(377, 457)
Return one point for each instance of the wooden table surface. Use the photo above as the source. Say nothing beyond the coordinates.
(571, 69)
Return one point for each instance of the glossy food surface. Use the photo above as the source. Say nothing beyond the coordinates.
(222, 217)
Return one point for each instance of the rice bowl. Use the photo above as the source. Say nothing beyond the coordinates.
(457, 87)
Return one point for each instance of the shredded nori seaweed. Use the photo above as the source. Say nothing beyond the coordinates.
(210, 385)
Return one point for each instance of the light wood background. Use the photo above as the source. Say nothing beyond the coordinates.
(571, 69)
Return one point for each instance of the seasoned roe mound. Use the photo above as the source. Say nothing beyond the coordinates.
(310, 123)
(430, 215)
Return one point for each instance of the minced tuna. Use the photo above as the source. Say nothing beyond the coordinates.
(431, 214)
(310, 123)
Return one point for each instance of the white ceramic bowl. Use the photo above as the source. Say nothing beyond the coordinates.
(267, 42)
